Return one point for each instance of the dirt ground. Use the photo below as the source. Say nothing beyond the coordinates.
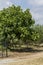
(23, 59)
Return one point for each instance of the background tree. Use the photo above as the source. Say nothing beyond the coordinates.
(39, 29)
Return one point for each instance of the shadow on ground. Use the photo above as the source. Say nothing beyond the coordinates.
(26, 50)
(31, 50)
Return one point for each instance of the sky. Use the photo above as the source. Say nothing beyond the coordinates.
(35, 6)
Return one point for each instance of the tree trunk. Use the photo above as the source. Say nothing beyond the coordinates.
(6, 52)
(2, 51)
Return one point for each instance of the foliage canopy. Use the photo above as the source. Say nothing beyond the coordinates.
(16, 24)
